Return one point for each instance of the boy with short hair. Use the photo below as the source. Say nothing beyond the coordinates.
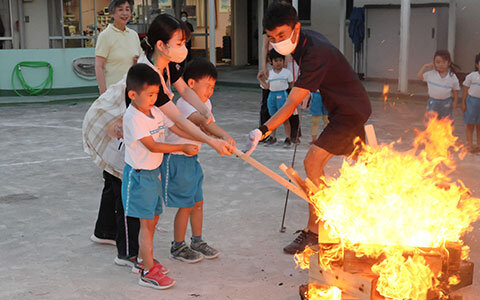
(182, 175)
(278, 82)
(144, 127)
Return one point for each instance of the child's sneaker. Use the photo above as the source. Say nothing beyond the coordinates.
(98, 240)
(155, 279)
(125, 261)
(185, 254)
(271, 140)
(138, 266)
(205, 249)
(287, 143)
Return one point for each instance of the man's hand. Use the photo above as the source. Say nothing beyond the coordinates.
(190, 149)
(253, 138)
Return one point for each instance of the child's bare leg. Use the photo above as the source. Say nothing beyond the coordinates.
(180, 223)
(315, 126)
(196, 219)
(470, 128)
(325, 121)
(145, 241)
(477, 128)
(288, 128)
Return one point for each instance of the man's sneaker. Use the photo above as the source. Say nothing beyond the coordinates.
(287, 143)
(125, 261)
(155, 279)
(207, 251)
(98, 240)
(185, 254)
(303, 239)
(271, 140)
(138, 266)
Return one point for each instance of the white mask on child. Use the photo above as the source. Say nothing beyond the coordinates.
(184, 19)
(285, 47)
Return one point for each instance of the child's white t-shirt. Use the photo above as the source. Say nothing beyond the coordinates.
(186, 109)
(440, 87)
(473, 82)
(137, 125)
(279, 81)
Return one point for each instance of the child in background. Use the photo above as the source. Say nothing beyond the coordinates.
(471, 105)
(318, 112)
(182, 175)
(144, 127)
(279, 80)
(442, 83)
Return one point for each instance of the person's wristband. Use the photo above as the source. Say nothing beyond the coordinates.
(264, 130)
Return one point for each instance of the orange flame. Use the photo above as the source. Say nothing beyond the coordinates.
(386, 88)
(302, 259)
(321, 293)
(434, 10)
(453, 280)
(388, 202)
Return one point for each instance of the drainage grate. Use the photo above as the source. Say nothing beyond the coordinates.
(17, 198)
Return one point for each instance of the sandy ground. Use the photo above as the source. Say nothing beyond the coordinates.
(50, 191)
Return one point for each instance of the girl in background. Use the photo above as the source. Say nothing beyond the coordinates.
(471, 105)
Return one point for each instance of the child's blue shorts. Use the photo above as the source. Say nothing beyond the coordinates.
(316, 105)
(275, 101)
(472, 114)
(182, 179)
(141, 193)
(443, 107)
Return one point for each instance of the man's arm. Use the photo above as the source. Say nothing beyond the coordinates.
(295, 97)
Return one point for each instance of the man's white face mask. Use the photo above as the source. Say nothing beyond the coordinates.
(285, 47)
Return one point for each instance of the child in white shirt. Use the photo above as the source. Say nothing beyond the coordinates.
(144, 127)
(279, 80)
(471, 105)
(442, 83)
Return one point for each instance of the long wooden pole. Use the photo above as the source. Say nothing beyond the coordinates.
(271, 174)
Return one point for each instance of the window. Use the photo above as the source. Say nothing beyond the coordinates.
(304, 11)
(72, 23)
(6, 41)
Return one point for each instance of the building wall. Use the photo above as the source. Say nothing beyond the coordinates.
(467, 34)
(325, 19)
(36, 31)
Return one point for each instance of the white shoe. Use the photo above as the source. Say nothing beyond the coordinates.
(97, 240)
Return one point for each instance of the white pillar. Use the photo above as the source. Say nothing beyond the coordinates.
(260, 33)
(211, 31)
(295, 4)
(404, 37)
(452, 20)
(341, 28)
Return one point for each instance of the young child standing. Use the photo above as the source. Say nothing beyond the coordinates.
(279, 80)
(144, 127)
(182, 175)
(442, 83)
(318, 112)
(471, 105)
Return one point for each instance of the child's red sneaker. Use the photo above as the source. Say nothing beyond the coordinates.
(138, 266)
(155, 279)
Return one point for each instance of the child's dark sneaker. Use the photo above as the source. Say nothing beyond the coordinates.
(138, 266)
(271, 140)
(125, 261)
(155, 279)
(207, 251)
(287, 143)
(185, 254)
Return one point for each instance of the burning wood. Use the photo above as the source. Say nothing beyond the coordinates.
(399, 220)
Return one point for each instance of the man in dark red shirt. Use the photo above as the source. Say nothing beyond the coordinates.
(322, 67)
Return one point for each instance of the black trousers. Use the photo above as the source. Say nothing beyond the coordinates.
(112, 222)
(294, 119)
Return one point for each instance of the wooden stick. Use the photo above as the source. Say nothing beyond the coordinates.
(371, 137)
(294, 177)
(299, 192)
